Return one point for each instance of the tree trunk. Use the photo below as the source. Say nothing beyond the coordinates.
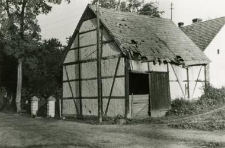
(19, 86)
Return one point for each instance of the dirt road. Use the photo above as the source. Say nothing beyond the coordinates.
(18, 131)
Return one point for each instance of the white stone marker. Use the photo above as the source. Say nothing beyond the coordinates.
(34, 105)
(51, 107)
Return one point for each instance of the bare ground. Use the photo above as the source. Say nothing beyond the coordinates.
(17, 131)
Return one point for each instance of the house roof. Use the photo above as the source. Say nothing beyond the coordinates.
(153, 38)
(202, 33)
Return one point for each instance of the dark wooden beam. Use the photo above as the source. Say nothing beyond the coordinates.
(76, 48)
(96, 97)
(94, 78)
(127, 91)
(150, 96)
(71, 89)
(91, 60)
(99, 63)
(188, 83)
(84, 32)
(79, 73)
(196, 81)
(111, 90)
(81, 47)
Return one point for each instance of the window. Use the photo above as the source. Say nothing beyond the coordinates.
(218, 51)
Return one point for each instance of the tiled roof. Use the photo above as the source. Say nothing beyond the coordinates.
(202, 33)
(154, 38)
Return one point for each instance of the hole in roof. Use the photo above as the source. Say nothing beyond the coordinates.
(178, 56)
(133, 42)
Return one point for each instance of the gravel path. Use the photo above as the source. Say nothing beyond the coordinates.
(19, 131)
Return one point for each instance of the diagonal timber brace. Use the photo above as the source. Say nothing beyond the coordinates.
(111, 90)
(71, 89)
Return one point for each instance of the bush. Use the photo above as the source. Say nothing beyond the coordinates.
(211, 98)
(182, 107)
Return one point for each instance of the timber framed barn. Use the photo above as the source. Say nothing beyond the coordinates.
(146, 62)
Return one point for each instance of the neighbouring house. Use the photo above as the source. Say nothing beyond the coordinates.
(209, 37)
(146, 62)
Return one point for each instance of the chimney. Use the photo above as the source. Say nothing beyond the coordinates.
(196, 20)
(180, 24)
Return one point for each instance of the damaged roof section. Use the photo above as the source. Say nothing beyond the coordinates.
(153, 38)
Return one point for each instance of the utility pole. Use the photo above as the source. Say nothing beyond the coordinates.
(171, 10)
(99, 56)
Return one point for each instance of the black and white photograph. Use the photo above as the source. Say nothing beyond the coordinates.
(112, 73)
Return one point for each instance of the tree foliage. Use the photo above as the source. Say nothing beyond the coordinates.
(42, 73)
(19, 24)
(108, 4)
(21, 32)
(150, 9)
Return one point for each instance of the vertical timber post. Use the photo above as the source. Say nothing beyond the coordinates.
(127, 106)
(206, 73)
(188, 83)
(99, 79)
(61, 103)
(150, 94)
(79, 72)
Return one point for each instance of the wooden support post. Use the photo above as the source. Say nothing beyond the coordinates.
(61, 109)
(99, 79)
(206, 75)
(188, 83)
(79, 73)
(167, 66)
(148, 66)
(127, 71)
(131, 106)
(150, 95)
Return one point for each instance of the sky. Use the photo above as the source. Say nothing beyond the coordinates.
(61, 22)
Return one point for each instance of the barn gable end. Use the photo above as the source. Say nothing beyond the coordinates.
(80, 73)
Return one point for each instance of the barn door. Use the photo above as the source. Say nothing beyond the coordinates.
(140, 106)
(159, 93)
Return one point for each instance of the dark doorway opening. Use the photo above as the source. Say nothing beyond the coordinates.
(139, 83)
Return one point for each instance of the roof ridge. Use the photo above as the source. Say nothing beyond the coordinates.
(206, 21)
(128, 13)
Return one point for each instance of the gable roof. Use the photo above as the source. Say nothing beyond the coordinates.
(202, 33)
(153, 38)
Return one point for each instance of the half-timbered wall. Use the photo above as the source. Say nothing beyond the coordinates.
(80, 74)
(184, 82)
